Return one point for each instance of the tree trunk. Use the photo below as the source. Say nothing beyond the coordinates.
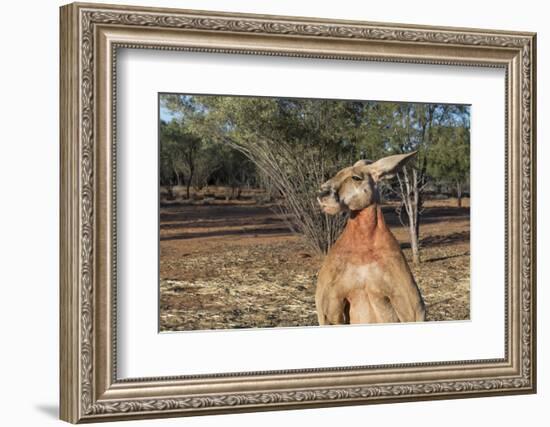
(414, 245)
(178, 177)
(188, 186)
(459, 194)
(410, 194)
(188, 190)
(170, 191)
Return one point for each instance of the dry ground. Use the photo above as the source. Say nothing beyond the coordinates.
(234, 264)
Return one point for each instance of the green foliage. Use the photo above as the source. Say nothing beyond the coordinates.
(185, 157)
(450, 152)
(293, 145)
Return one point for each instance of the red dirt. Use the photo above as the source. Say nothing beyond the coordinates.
(235, 264)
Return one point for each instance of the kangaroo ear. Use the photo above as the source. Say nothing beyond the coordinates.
(387, 167)
(361, 163)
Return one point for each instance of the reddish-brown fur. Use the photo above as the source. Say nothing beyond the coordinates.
(366, 237)
(365, 277)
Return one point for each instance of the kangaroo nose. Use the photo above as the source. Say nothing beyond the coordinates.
(324, 192)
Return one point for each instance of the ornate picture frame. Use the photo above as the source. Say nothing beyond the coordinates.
(90, 37)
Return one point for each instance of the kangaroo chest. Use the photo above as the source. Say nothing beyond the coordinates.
(371, 277)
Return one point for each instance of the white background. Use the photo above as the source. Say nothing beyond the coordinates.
(29, 170)
(143, 352)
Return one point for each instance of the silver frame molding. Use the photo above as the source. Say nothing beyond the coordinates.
(90, 37)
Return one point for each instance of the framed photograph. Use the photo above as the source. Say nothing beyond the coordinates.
(266, 212)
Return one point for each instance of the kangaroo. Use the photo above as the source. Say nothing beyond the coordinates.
(365, 277)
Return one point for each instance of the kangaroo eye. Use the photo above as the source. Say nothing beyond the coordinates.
(357, 178)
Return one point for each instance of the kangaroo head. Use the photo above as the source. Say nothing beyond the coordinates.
(356, 187)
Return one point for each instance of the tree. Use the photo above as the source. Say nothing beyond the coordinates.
(450, 154)
(410, 128)
(425, 128)
(208, 161)
(170, 161)
(295, 144)
(235, 170)
(179, 153)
